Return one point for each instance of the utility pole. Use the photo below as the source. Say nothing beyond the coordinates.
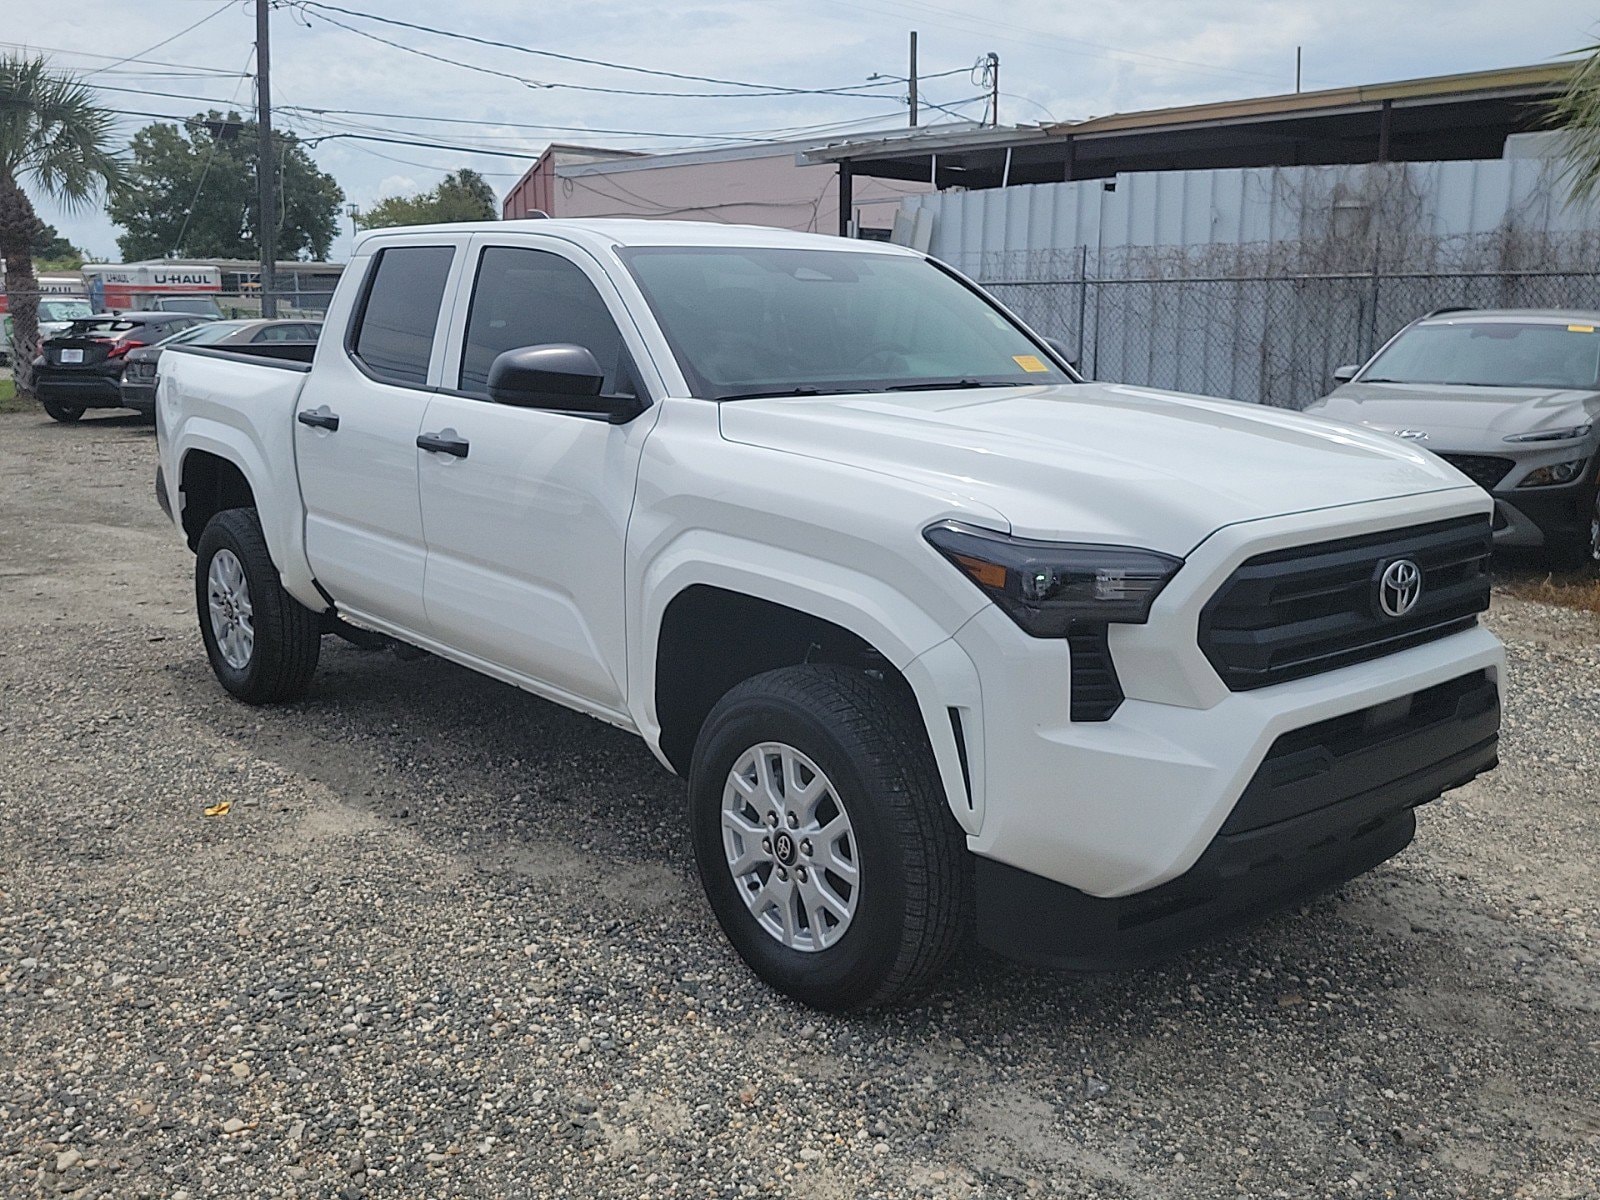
(994, 88)
(353, 211)
(913, 78)
(266, 165)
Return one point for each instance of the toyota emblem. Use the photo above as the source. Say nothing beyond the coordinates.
(1399, 587)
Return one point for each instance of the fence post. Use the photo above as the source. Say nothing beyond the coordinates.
(1083, 298)
(1372, 314)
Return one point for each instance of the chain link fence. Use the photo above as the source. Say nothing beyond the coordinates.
(1268, 338)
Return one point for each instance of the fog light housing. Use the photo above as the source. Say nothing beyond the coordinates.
(1555, 473)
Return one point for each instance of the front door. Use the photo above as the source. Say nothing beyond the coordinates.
(526, 513)
(356, 438)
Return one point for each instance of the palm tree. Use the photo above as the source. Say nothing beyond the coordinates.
(55, 137)
(1577, 112)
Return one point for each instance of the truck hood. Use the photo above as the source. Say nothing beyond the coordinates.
(1099, 462)
(1455, 417)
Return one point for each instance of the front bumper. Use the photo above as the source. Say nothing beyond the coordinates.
(1534, 517)
(1330, 801)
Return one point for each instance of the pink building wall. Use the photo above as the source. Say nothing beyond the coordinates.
(739, 187)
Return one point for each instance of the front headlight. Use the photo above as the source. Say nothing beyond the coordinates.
(1561, 472)
(1046, 587)
(1552, 435)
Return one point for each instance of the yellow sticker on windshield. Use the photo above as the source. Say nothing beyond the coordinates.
(1580, 328)
(1029, 362)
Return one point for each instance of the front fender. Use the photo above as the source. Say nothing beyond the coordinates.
(919, 646)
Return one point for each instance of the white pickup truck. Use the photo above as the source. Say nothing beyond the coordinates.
(943, 637)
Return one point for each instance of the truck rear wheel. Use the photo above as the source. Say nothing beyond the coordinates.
(263, 643)
(823, 838)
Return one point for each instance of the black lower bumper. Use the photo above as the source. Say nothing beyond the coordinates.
(80, 391)
(139, 397)
(1560, 513)
(1330, 801)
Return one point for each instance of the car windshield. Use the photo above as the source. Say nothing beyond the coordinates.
(64, 310)
(749, 322)
(1492, 354)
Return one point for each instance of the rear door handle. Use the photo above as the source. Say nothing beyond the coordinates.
(318, 418)
(441, 444)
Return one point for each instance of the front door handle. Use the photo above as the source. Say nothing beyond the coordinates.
(318, 418)
(441, 444)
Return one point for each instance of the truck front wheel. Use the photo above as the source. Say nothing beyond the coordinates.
(823, 839)
(262, 642)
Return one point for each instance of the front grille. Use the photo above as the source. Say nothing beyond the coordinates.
(1485, 470)
(1297, 612)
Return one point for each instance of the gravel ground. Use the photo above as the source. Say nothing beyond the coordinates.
(447, 942)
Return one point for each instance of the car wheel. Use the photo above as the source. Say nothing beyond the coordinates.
(65, 413)
(263, 643)
(823, 839)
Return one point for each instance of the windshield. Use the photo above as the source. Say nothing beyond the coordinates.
(746, 321)
(1492, 354)
(204, 306)
(64, 310)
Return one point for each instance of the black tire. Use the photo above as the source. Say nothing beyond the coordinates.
(916, 880)
(67, 414)
(288, 635)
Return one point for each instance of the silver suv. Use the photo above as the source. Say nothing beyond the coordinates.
(1509, 397)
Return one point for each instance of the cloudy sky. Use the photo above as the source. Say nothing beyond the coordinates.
(1058, 60)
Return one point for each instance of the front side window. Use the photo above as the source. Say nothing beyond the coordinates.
(749, 321)
(533, 298)
(1492, 354)
(394, 329)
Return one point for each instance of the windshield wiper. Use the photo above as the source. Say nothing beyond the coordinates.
(802, 390)
(951, 385)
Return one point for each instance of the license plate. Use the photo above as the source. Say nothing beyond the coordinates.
(72, 356)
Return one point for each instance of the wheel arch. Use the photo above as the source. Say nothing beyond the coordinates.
(711, 632)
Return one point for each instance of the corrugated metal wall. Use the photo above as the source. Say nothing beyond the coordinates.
(1256, 283)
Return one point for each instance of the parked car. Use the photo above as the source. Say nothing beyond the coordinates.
(931, 626)
(56, 314)
(140, 373)
(82, 367)
(1509, 397)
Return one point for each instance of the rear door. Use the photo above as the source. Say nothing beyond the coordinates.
(526, 523)
(356, 432)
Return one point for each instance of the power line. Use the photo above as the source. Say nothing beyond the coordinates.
(772, 89)
(542, 85)
(226, 5)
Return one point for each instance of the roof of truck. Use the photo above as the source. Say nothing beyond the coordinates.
(624, 231)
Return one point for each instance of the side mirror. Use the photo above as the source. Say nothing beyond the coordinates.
(558, 376)
(1063, 351)
(1345, 374)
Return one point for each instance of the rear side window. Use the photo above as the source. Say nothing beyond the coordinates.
(394, 330)
(532, 298)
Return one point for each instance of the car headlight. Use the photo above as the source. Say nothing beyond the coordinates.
(1552, 435)
(1561, 472)
(1046, 587)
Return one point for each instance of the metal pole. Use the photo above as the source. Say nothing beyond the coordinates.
(1297, 70)
(846, 199)
(913, 79)
(266, 166)
(994, 88)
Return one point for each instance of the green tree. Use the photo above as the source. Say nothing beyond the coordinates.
(462, 195)
(54, 137)
(1577, 112)
(193, 194)
(52, 252)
